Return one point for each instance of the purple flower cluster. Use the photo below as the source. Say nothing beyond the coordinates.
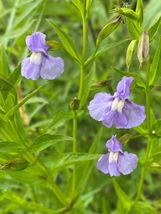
(119, 111)
(40, 63)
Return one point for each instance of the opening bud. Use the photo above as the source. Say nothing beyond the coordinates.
(143, 47)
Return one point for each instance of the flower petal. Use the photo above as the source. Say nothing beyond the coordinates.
(52, 67)
(102, 102)
(127, 162)
(36, 42)
(102, 163)
(114, 145)
(115, 118)
(123, 87)
(113, 169)
(134, 113)
(30, 70)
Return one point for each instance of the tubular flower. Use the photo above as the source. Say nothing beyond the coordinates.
(117, 110)
(40, 63)
(116, 162)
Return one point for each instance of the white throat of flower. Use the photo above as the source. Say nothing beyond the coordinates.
(117, 104)
(36, 58)
(113, 157)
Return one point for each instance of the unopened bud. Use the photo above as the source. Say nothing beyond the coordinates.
(143, 47)
(74, 104)
(130, 51)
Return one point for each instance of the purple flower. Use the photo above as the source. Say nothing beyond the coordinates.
(117, 110)
(116, 162)
(40, 63)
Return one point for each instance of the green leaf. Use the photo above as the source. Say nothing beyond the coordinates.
(17, 32)
(144, 207)
(8, 146)
(87, 85)
(71, 158)
(121, 195)
(15, 76)
(6, 87)
(154, 29)
(108, 29)
(47, 140)
(4, 65)
(66, 42)
(103, 49)
(80, 6)
(59, 118)
(154, 68)
(27, 12)
(22, 102)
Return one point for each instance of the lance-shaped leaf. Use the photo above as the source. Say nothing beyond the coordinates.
(67, 159)
(66, 42)
(155, 64)
(79, 4)
(108, 29)
(121, 195)
(128, 13)
(154, 29)
(4, 68)
(11, 112)
(47, 140)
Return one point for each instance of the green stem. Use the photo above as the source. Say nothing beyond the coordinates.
(84, 52)
(148, 120)
(81, 83)
(80, 93)
(75, 131)
(74, 150)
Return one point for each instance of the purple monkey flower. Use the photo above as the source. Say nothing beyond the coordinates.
(40, 63)
(117, 110)
(116, 162)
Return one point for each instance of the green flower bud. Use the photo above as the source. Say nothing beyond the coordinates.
(130, 51)
(74, 105)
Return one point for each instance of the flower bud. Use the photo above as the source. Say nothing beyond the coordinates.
(130, 51)
(74, 105)
(143, 47)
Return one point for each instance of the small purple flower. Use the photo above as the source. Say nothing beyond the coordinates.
(117, 110)
(116, 162)
(40, 63)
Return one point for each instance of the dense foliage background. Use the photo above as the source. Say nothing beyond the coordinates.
(36, 119)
